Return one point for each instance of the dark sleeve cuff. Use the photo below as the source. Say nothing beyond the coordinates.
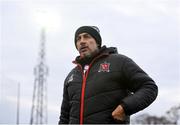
(125, 108)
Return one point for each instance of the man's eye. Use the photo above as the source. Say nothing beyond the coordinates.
(78, 38)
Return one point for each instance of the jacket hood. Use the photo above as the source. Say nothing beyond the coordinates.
(109, 50)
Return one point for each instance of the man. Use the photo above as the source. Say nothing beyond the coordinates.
(105, 87)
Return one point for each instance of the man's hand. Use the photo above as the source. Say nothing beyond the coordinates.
(118, 113)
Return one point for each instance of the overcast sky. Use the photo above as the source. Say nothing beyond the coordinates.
(148, 31)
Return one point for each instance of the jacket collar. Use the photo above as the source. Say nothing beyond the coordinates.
(102, 51)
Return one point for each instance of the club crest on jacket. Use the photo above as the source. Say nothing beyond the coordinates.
(104, 67)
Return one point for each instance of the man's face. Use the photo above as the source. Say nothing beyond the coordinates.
(86, 44)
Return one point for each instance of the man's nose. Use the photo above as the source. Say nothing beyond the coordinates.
(82, 41)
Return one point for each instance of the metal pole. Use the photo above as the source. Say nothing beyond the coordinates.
(18, 104)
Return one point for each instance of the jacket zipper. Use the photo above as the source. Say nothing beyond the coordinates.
(82, 96)
(84, 86)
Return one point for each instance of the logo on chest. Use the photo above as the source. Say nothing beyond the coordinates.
(104, 67)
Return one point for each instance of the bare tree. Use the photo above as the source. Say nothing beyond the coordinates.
(172, 116)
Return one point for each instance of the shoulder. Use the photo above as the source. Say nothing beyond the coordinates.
(70, 75)
(119, 57)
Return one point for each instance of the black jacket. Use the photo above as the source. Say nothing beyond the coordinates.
(111, 79)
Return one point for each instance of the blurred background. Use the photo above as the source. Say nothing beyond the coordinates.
(148, 31)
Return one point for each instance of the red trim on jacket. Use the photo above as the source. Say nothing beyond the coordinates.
(85, 75)
(82, 97)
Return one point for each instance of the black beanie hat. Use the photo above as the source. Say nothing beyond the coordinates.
(92, 30)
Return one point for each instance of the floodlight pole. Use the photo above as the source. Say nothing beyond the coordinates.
(39, 102)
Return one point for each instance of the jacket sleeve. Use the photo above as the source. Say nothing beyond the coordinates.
(143, 88)
(64, 115)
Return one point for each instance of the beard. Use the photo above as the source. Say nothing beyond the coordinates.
(89, 54)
